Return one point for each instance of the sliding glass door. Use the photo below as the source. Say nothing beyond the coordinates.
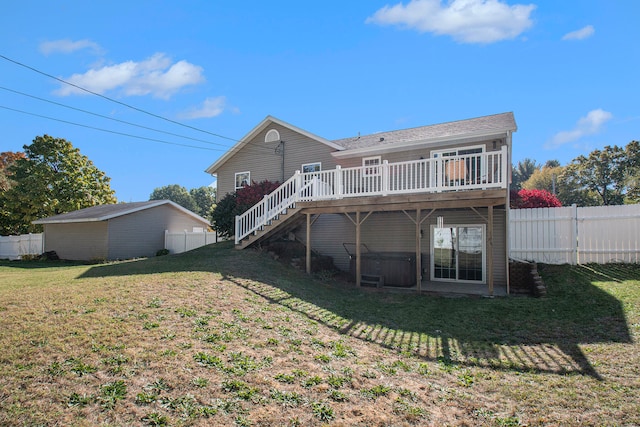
(458, 253)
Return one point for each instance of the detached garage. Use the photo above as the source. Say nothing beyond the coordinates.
(121, 231)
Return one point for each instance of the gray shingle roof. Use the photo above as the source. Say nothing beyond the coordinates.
(105, 212)
(496, 123)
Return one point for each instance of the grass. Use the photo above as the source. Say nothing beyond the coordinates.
(224, 337)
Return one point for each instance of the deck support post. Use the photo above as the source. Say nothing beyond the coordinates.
(490, 249)
(308, 248)
(418, 250)
(358, 251)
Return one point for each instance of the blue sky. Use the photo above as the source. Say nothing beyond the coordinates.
(567, 70)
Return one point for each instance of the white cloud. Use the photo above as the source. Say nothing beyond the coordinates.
(580, 34)
(591, 124)
(467, 21)
(155, 76)
(211, 107)
(69, 46)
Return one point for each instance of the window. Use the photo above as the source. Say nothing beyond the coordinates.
(371, 165)
(311, 167)
(242, 179)
(467, 169)
(458, 253)
(272, 136)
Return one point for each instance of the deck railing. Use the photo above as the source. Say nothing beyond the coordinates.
(452, 173)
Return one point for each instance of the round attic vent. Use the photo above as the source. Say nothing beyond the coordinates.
(272, 136)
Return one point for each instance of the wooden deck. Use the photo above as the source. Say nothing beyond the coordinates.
(444, 200)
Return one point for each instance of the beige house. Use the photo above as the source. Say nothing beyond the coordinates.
(422, 208)
(119, 231)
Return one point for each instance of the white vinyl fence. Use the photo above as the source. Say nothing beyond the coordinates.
(573, 235)
(14, 247)
(181, 242)
(567, 235)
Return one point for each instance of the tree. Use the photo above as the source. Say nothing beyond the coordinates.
(237, 203)
(198, 200)
(522, 172)
(632, 166)
(205, 200)
(7, 159)
(544, 179)
(52, 178)
(526, 199)
(554, 180)
(551, 164)
(176, 193)
(224, 214)
(603, 173)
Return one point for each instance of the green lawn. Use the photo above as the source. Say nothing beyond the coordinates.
(224, 337)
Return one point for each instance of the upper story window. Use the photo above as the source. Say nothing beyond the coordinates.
(242, 179)
(371, 165)
(272, 136)
(460, 151)
(311, 167)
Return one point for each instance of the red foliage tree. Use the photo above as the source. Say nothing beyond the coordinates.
(249, 195)
(526, 199)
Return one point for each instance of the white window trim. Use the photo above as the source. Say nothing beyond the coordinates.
(455, 150)
(484, 255)
(371, 170)
(235, 180)
(269, 136)
(312, 164)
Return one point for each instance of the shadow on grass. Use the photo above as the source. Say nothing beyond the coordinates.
(514, 333)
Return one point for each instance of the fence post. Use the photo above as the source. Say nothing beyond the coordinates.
(575, 238)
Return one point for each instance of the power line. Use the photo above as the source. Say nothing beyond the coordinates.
(109, 131)
(115, 101)
(251, 145)
(117, 120)
(109, 118)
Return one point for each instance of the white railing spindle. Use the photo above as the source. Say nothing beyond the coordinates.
(452, 173)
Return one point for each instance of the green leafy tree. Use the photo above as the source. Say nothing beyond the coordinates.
(603, 174)
(52, 178)
(522, 171)
(7, 159)
(176, 193)
(224, 216)
(554, 180)
(205, 200)
(632, 156)
(199, 200)
(544, 179)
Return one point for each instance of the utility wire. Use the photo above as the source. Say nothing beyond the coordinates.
(109, 118)
(113, 100)
(110, 131)
(123, 104)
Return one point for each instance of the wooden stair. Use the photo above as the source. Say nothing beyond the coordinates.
(281, 224)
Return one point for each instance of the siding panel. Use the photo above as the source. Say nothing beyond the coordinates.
(141, 234)
(264, 161)
(77, 241)
(395, 232)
